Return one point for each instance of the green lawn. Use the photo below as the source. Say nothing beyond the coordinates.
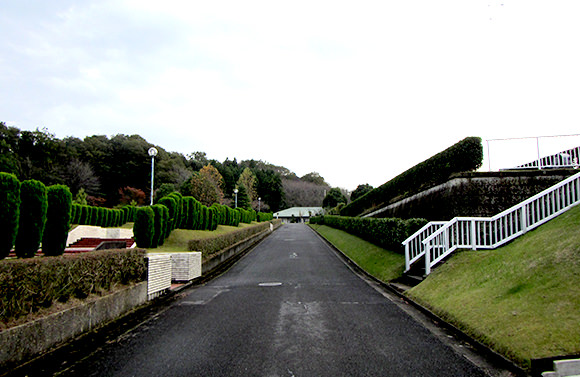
(523, 299)
(380, 263)
(178, 239)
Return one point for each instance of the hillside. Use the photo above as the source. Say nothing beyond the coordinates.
(117, 170)
(523, 299)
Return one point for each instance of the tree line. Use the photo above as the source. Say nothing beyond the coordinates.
(110, 171)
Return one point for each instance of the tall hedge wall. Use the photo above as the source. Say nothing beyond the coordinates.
(33, 206)
(159, 225)
(99, 216)
(171, 204)
(387, 233)
(466, 155)
(57, 220)
(9, 212)
(264, 216)
(144, 227)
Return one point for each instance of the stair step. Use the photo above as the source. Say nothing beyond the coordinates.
(567, 367)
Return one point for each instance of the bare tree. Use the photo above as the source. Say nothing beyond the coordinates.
(79, 175)
(300, 193)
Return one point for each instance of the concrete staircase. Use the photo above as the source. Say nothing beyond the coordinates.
(565, 368)
(93, 243)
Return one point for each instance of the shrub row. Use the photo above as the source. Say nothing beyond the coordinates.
(100, 216)
(234, 216)
(212, 245)
(154, 224)
(264, 216)
(466, 155)
(386, 233)
(26, 285)
(30, 213)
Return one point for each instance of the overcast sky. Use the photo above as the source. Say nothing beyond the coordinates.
(356, 91)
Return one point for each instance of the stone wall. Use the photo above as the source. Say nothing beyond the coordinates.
(474, 194)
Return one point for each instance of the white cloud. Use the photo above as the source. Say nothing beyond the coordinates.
(357, 92)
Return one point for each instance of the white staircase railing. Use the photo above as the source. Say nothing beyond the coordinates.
(565, 159)
(437, 239)
(414, 248)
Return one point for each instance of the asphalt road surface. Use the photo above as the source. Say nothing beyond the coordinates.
(291, 307)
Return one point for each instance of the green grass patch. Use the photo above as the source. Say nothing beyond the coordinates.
(383, 264)
(522, 299)
(179, 238)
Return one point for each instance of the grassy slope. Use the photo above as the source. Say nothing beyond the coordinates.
(380, 263)
(522, 299)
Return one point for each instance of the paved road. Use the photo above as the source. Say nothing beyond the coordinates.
(289, 308)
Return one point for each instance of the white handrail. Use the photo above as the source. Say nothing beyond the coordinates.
(565, 159)
(414, 248)
(491, 232)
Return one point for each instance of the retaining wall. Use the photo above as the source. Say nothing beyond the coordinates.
(20, 343)
(473, 194)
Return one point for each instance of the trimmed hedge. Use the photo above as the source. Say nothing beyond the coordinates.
(144, 227)
(212, 245)
(99, 216)
(9, 212)
(213, 218)
(185, 213)
(165, 215)
(264, 216)
(57, 225)
(158, 225)
(386, 233)
(465, 155)
(171, 204)
(246, 216)
(195, 207)
(27, 285)
(33, 207)
(177, 216)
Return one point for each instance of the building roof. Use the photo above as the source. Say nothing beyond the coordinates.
(299, 212)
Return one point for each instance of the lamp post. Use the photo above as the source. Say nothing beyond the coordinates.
(152, 152)
(259, 203)
(236, 196)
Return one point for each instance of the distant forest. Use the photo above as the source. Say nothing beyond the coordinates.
(115, 171)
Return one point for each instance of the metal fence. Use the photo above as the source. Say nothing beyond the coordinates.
(566, 159)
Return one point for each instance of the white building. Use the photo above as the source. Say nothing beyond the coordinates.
(298, 214)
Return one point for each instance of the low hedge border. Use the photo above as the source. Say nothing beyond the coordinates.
(212, 245)
(388, 233)
(27, 285)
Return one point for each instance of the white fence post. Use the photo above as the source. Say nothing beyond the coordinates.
(524, 218)
(428, 258)
(473, 240)
(407, 257)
